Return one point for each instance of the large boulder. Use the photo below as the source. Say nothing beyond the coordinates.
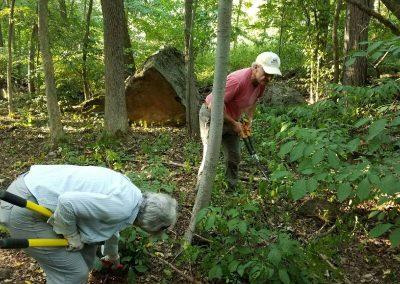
(280, 93)
(156, 93)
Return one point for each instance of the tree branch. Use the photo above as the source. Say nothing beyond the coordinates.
(377, 16)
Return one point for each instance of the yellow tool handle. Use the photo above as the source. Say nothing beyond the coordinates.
(26, 243)
(38, 208)
(48, 242)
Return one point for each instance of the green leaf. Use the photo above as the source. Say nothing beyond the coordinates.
(379, 230)
(376, 128)
(353, 144)
(318, 156)
(232, 224)
(131, 276)
(286, 148)
(210, 222)
(344, 191)
(362, 122)
(284, 276)
(141, 268)
(242, 227)
(203, 212)
(395, 237)
(350, 61)
(233, 265)
(275, 256)
(297, 152)
(390, 184)
(312, 185)
(299, 189)
(395, 122)
(333, 159)
(215, 272)
(309, 149)
(280, 174)
(363, 189)
(374, 46)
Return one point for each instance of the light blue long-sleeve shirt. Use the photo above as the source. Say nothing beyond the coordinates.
(97, 202)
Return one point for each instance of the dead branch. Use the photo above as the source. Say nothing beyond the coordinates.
(180, 272)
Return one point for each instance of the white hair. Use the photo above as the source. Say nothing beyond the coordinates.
(157, 211)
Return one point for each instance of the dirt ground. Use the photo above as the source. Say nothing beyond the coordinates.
(363, 260)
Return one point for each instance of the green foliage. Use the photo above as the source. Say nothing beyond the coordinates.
(244, 249)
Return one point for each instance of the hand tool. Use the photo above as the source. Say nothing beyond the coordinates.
(248, 141)
(25, 243)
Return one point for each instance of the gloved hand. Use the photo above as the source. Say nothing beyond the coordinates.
(74, 242)
(111, 261)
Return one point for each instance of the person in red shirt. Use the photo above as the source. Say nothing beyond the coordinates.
(243, 90)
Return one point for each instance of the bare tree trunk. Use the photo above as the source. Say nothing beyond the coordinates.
(281, 30)
(129, 61)
(11, 106)
(393, 6)
(206, 179)
(192, 102)
(1, 30)
(56, 128)
(115, 104)
(335, 41)
(356, 31)
(367, 8)
(32, 53)
(86, 86)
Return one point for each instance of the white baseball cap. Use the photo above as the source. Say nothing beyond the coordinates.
(270, 62)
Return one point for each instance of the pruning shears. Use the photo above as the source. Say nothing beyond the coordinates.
(11, 243)
(248, 141)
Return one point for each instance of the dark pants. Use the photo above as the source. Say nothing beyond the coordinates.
(230, 146)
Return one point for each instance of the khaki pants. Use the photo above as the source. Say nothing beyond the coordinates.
(230, 146)
(60, 265)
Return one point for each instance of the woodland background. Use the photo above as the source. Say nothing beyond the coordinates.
(330, 210)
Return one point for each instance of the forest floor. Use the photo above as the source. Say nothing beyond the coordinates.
(24, 141)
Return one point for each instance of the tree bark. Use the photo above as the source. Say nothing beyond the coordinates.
(335, 41)
(206, 179)
(192, 103)
(11, 106)
(32, 53)
(356, 31)
(129, 61)
(367, 9)
(86, 86)
(1, 29)
(393, 6)
(56, 128)
(115, 105)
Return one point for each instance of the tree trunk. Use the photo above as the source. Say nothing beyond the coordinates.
(393, 6)
(335, 41)
(115, 105)
(11, 106)
(129, 61)
(1, 29)
(56, 128)
(85, 79)
(281, 29)
(206, 179)
(192, 103)
(356, 31)
(63, 11)
(32, 53)
(381, 19)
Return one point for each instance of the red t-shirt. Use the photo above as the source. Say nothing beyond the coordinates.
(240, 93)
